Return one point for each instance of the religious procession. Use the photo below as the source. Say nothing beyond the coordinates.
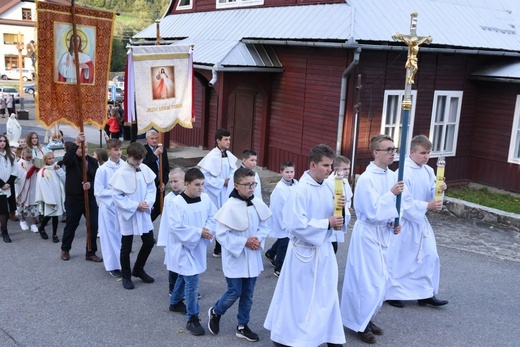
(130, 198)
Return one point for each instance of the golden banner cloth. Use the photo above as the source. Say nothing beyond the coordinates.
(163, 82)
(57, 99)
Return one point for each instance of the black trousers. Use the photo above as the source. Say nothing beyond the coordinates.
(156, 210)
(126, 249)
(74, 212)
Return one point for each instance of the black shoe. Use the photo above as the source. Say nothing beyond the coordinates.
(127, 283)
(194, 326)
(115, 273)
(268, 257)
(55, 239)
(334, 344)
(367, 336)
(214, 321)
(43, 234)
(216, 254)
(6, 237)
(395, 303)
(278, 344)
(143, 276)
(375, 329)
(178, 307)
(432, 301)
(245, 333)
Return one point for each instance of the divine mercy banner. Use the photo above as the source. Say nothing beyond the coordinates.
(58, 98)
(163, 86)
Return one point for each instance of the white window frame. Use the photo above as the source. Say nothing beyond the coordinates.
(239, 3)
(399, 112)
(449, 94)
(185, 7)
(514, 145)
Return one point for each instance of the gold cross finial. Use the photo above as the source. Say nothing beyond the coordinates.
(413, 42)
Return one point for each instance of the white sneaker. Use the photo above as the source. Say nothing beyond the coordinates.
(23, 225)
(34, 228)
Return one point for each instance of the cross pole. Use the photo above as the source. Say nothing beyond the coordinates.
(413, 42)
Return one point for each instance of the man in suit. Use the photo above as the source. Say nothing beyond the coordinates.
(153, 153)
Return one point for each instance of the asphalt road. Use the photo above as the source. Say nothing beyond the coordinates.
(45, 301)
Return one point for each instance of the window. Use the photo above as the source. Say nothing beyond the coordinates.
(514, 145)
(26, 14)
(392, 123)
(11, 39)
(184, 5)
(238, 3)
(444, 127)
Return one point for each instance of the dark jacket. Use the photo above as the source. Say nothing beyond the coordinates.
(74, 175)
(151, 162)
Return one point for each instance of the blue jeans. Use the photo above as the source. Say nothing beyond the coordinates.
(238, 288)
(188, 287)
(278, 251)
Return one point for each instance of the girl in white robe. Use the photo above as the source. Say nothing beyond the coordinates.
(8, 175)
(50, 195)
(26, 191)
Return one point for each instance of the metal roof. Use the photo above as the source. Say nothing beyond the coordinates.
(224, 36)
(499, 72)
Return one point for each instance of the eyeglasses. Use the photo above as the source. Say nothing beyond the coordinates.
(248, 185)
(389, 150)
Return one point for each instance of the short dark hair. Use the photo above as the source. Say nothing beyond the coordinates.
(220, 133)
(136, 150)
(114, 143)
(241, 173)
(286, 164)
(248, 153)
(193, 174)
(319, 151)
(68, 145)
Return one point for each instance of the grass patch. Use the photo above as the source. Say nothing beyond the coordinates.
(484, 197)
(126, 18)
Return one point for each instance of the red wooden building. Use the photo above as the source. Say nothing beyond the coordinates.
(282, 77)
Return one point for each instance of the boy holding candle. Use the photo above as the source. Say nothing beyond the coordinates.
(413, 262)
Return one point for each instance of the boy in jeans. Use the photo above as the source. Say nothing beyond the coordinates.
(191, 227)
(241, 228)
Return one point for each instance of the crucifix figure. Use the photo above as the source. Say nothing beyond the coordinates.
(413, 42)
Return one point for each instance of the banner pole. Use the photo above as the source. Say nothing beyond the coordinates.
(161, 135)
(81, 128)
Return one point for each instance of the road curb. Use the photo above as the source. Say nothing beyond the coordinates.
(468, 210)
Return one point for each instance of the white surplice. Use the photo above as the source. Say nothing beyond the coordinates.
(216, 170)
(413, 262)
(131, 188)
(364, 284)
(338, 235)
(186, 250)
(51, 190)
(235, 223)
(277, 201)
(304, 310)
(109, 235)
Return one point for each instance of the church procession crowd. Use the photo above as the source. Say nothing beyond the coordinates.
(220, 204)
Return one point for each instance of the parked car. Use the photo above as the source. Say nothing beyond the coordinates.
(119, 95)
(29, 89)
(9, 90)
(14, 74)
(119, 81)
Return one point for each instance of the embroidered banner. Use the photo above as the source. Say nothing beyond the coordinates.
(163, 82)
(58, 99)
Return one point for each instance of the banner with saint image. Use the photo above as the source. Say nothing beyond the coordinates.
(58, 99)
(163, 82)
